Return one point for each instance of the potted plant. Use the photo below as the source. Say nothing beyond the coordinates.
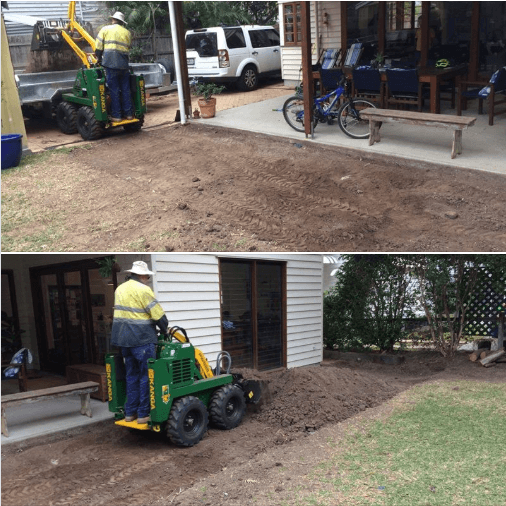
(207, 103)
(107, 265)
(378, 60)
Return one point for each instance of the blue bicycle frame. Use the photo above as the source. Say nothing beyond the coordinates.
(325, 111)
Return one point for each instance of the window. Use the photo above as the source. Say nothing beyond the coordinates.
(402, 15)
(264, 38)
(235, 38)
(292, 24)
(206, 44)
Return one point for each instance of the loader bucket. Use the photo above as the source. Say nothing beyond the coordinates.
(47, 35)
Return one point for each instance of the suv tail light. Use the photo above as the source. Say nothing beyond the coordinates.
(223, 59)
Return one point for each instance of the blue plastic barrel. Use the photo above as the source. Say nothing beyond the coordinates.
(11, 150)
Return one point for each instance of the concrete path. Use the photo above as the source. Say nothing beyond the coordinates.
(46, 418)
(484, 146)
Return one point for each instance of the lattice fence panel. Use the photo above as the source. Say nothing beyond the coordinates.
(484, 309)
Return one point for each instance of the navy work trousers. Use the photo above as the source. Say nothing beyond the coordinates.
(118, 82)
(137, 381)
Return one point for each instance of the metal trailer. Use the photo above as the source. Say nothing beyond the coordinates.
(42, 91)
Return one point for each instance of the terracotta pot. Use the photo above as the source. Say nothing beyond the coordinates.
(207, 107)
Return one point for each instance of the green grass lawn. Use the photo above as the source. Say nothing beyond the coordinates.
(444, 444)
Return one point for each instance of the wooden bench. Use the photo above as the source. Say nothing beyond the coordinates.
(83, 389)
(456, 123)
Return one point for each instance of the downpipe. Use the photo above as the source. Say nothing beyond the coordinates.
(177, 62)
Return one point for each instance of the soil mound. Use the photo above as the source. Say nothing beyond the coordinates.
(308, 398)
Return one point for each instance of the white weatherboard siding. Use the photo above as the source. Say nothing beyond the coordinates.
(323, 36)
(187, 287)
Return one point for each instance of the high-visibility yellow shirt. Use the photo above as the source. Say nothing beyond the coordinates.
(114, 41)
(136, 314)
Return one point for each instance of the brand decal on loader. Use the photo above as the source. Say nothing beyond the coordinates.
(165, 394)
(151, 374)
(143, 93)
(109, 380)
(101, 89)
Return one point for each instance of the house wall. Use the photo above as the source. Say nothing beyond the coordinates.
(187, 287)
(326, 36)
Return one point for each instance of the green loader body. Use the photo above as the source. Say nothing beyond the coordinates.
(86, 108)
(181, 400)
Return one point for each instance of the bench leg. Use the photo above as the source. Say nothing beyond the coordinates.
(5, 432)
(374, 134)
(85, 405)
(457, 143)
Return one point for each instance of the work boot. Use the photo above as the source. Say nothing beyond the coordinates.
(115, 120)
(129, 117)
(143, 420)
(130, 418)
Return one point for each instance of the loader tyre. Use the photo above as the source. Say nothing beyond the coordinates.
(188, 421)
(227, 407)
(87, 125)
(66, 117)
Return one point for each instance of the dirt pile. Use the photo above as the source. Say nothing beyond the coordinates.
(306, 399)
(53, 61)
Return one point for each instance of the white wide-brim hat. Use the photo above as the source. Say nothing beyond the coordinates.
(119, 16)
(140, 268)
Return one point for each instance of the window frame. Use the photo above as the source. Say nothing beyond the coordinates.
(295, 42)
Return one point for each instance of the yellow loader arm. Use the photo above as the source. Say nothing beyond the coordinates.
(200, 358)
(70, 35)
(47, 36)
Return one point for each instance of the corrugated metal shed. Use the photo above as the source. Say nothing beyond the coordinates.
(87, 11)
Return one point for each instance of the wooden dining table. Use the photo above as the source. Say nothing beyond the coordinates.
(432, 76)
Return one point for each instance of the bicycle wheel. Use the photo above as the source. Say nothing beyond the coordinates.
(293, 111)
(349, 119)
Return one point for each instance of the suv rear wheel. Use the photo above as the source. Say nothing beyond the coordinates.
(249, 79)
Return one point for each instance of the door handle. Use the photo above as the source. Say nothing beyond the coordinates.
(255, 52)
(275, 51)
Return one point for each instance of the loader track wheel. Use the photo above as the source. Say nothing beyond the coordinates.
(87, 125)
(227, 407)
(188, 421)
(66, 117)
(134, 127)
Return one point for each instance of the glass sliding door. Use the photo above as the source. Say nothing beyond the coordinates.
(237, 321)
(253, 314)
(269, 315)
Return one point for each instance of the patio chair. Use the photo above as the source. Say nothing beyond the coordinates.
(353, 55)
(494, 93)
(367, 84)
(403, 87)
(328, 73)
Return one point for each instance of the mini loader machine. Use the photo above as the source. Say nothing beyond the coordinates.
(85, 109)
(185, 393)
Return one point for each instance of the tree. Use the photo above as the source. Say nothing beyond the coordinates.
(143, 18)
(369, 302)
(447, 287)
(206, 14)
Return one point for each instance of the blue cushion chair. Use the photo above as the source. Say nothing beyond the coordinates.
(403, 87)
(494, 93)
(367, 84)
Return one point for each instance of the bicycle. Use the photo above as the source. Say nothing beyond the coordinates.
(325, 111)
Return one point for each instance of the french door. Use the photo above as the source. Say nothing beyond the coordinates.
(253, 311)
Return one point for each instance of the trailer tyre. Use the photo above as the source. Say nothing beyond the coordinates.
(87, 125)
(227, 407)
(188, 421)
(168, 65)
(66, 117)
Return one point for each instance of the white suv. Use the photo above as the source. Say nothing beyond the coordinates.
(235, 54)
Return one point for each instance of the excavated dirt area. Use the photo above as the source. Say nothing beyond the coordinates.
(201, 188)
(269, 454)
